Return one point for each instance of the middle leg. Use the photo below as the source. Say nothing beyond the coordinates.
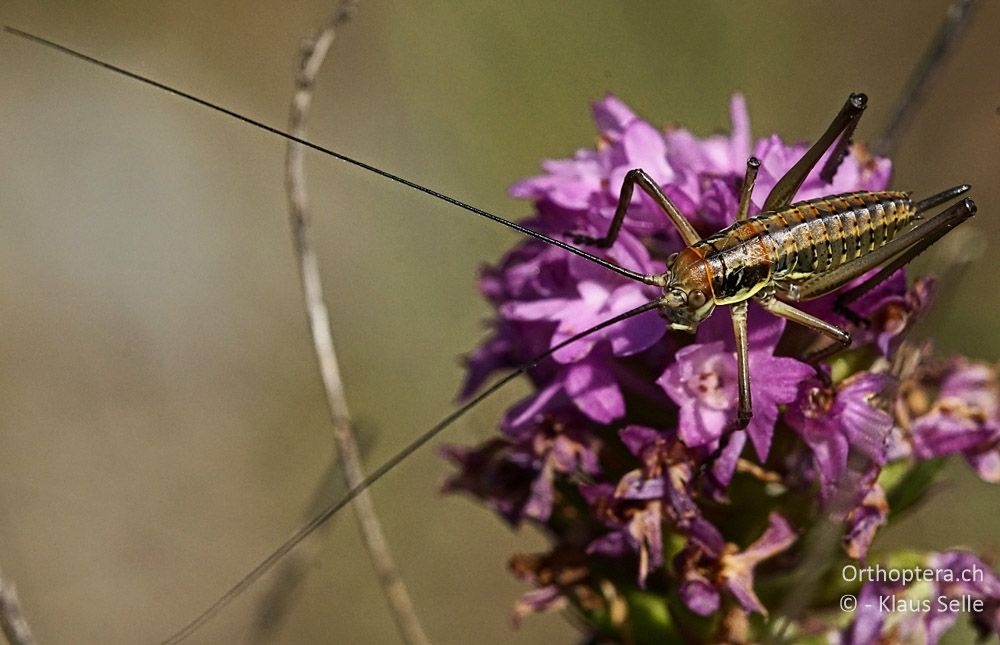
(745, 406)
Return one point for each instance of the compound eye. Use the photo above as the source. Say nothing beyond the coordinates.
(697, 298)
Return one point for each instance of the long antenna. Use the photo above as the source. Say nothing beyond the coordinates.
(379, 472)
(328, 512)
(640, 277)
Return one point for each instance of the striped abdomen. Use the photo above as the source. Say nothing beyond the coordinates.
(802, 241)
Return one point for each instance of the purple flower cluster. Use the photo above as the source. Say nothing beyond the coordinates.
(625, 452)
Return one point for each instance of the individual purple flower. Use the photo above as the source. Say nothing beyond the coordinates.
(580, 184)
(717, 155)
(547, 437)
(719, 202)
(485, 472)
(737, 568)
(891, 309)
(858, 171)
(512, 344)
(948, 430)
(864, 520)
(869, 619)
(888, 311)
(963, 419)
(531, 270)
(559, 296)
(969, 578)
(584, 191)
(543, 293)
(559, 577)
(545, 298)
(642, 146)
(661, 490)
(593, 302)
(552, 439)
(637, 526)
(706, 572)
(590, 385)
(574, 184)
(973, 383)
(612, 116)
(667, 474)
(702, 161)
(538, 601)
(703, 382)
(832, 422)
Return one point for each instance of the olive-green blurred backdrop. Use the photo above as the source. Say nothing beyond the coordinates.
(162, 423)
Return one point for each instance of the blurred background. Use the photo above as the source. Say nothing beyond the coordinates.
(161, 417)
